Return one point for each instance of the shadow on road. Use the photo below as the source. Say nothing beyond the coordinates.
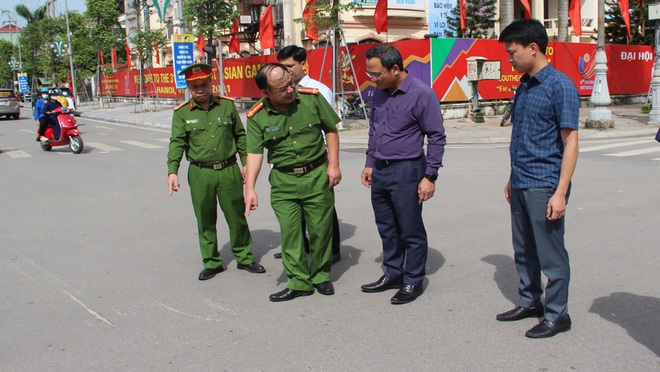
(505, 275)
(638, 315)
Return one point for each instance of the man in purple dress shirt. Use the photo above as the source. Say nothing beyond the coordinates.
(401, 177)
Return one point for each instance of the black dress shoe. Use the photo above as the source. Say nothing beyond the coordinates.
(548, 329)
(278, 255)
(207, 273)
(407, 294)
(382, 284)
(325, 288)
(252, 267)
(520, 313)
(336, 258)
(289, 294)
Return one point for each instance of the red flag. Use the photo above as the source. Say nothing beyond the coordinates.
(102, 59)
(380, 16)
(200, 44)
(625, 13)
(234, 44)
(113, 56)
(528, 12)
(462, 14)
(128, 55)
(266, 29)
(575, 14)
(311, 30)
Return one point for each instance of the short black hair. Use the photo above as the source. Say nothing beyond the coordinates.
(389, 56)
(262, 75)
(299, 54)
(525, 32)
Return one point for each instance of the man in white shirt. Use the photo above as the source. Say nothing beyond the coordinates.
(295, 59)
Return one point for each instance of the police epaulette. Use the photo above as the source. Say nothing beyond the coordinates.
(308, 90)
(181, 105)
(255, 109)
(229, 98)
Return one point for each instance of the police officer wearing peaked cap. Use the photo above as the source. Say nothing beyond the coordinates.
(210, 132)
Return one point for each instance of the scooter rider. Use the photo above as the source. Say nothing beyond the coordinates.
(51, 116)
(39, 113)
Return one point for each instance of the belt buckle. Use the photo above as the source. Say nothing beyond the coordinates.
(218, 166)
(299, 170)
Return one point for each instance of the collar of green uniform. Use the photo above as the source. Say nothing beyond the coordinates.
(270, 107)
(215, 100)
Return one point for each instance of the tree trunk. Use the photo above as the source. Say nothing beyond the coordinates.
(563, 20)
(506, 13)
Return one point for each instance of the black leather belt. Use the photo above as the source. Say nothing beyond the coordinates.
(305, 168)
(216, 166)
(394, 161)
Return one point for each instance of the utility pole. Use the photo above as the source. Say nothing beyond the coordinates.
(68, 35)
(654, 115)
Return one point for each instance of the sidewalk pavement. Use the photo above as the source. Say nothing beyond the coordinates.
(629, 122)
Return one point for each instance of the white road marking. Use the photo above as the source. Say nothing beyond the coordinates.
(16, 153)
(166, 140)
(614, 145)
(141, 144)
(647, 150)
(102, 127)
(102, 147)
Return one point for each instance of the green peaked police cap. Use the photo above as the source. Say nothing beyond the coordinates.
(198, 72)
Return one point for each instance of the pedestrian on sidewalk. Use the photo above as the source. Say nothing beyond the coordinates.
(400, 175)
(210, 132)
(290, 122)
(295, 59)
(544, 152)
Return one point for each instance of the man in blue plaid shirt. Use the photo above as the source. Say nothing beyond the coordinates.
(544, 152)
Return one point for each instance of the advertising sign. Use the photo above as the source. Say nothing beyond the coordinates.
(184, 56)
(23, 85)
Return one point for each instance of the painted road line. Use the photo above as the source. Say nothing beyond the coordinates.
(614, 145)
(16, 153)
(101, 146)
(142, 144)
(647, 150)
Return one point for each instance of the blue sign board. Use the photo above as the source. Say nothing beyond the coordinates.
(23, 85)
(182, 46)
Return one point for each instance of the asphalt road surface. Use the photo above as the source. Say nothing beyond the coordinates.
(99, 269)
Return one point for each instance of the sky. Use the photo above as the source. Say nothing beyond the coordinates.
(77, 5)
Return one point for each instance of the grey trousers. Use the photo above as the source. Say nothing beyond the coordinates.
(538, 246)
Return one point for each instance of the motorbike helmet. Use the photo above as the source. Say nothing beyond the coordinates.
(44, 90)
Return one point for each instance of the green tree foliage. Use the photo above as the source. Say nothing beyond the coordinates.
(36, 16)
(210, 17)
(480, 17)
(104, 29)
(145, 41)
(326, 13)
(640, 28)
(6, 74)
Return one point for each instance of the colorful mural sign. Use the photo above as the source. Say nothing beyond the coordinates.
(439, 62)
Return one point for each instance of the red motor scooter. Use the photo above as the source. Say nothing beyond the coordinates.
(69, 134)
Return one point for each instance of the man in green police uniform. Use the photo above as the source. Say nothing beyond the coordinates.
(210, 132)
(289, 123)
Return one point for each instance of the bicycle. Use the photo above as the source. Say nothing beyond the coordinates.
(509, 108)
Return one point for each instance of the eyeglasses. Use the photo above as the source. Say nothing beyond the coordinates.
(375, 75)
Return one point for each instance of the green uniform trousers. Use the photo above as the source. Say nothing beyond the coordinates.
(290, 194)
(225, 185)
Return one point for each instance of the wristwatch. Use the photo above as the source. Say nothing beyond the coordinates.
(431, 177)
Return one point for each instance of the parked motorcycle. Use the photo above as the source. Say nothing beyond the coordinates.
(352, 106)
(509, 108)
(69, 134)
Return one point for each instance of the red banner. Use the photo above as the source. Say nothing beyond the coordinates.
(439, 62)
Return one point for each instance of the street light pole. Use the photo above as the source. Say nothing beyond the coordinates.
(600, 116)
(68, 35)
